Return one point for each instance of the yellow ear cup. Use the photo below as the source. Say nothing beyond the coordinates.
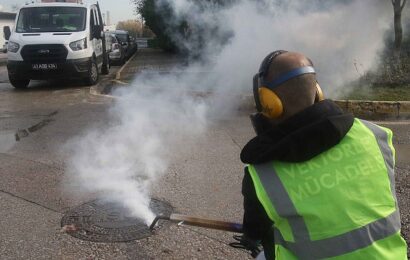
(319, 93)
(271, 103)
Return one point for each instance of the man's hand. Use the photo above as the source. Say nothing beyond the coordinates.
(254, 246)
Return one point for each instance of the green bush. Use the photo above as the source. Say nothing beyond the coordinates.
(154, 43)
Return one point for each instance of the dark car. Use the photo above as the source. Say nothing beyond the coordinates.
(134, 44)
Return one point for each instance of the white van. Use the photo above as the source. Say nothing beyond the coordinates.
(56, 40)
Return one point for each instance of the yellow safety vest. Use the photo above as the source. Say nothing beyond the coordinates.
(341, 204)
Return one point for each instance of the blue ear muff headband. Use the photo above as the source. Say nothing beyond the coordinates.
(287, 76)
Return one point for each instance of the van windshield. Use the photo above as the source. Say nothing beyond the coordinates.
(51, 19)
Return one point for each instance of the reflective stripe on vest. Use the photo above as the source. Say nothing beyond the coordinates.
(383, 142)
(362, 237)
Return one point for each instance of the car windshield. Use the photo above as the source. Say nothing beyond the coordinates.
(51, 19)
(113, 39)
(122, 37)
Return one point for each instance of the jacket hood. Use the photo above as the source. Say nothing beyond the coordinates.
(300, 137)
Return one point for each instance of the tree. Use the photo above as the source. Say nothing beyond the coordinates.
(186, 32)
(398, 6)
(155, 19)
(135, 28)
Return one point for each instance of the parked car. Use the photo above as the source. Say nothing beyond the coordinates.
(117, 53)
(134, 44)
(56, 40)
(127, 45)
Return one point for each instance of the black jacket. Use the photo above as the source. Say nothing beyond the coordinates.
(299, 138)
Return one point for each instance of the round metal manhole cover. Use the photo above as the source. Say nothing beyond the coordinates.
(102, 221)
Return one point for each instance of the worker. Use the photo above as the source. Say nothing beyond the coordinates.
(318, 183)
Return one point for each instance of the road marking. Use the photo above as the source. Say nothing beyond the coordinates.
(120, 82)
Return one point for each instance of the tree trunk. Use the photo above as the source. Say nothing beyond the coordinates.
(398, 31)
(398, 6)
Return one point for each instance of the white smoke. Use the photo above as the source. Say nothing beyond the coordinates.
(157, 116)
(336, 35)
(7, 141)
(123, 160)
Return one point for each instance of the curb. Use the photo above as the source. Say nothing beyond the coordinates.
(98, 89)
(365, 109)
(376, 109)
(104, 87)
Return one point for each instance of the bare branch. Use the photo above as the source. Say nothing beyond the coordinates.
(402, 6)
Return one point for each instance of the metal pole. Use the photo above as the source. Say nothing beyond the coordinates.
(201, 222)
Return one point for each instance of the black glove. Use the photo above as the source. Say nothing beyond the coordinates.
(254, 246)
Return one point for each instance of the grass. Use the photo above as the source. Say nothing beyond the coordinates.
(378, 93)
(390, 82)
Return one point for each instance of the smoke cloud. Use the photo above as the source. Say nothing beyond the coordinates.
(7, 141)
(123, 160)
(158, 115)
(336, 35)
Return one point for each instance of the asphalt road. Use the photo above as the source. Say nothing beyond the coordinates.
(33, 196)
(204, 180)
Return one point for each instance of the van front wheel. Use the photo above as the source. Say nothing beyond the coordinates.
(93, 74)
(19, 83)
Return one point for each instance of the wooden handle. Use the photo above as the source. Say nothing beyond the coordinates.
(207, 223)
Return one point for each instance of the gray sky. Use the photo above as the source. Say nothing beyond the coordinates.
(120, 9)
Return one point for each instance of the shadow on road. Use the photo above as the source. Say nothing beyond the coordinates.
(46, 85)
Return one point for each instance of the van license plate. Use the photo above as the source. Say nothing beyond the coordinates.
(51, 66)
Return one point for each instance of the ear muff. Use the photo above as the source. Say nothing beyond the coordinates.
(271, 104)
(319, 94)
(266, 100)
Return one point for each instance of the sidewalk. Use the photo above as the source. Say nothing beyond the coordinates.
(145, 60)
(150, 60)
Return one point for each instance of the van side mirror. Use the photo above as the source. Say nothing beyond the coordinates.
(6, 32)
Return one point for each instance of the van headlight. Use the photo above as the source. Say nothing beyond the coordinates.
(13, 47)
(79, 45)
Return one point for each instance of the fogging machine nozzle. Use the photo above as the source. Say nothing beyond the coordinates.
(200, 222)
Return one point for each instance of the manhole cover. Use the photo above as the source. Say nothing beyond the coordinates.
(102, 221)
